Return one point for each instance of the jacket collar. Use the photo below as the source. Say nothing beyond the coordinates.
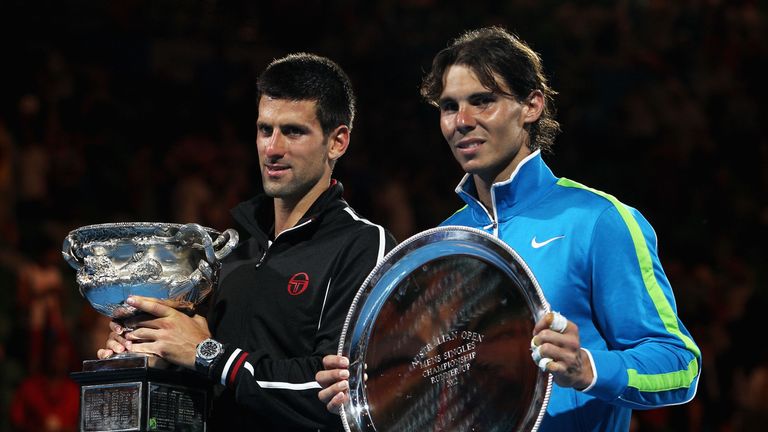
(257, 215)
(529, 182)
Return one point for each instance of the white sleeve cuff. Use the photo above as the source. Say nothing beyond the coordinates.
(594, 371)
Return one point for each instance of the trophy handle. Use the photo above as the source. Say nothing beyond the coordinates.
(189, 233)
(204, 272)
(68, 252)
(226, 241)
(193, 233)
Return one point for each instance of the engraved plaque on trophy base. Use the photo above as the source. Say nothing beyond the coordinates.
(131, 394)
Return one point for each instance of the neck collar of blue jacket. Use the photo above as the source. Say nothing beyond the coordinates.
(531, 180)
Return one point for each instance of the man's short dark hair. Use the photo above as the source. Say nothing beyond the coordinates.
(491, 52)
(304, 76)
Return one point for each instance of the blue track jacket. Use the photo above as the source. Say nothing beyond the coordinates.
(597, 262)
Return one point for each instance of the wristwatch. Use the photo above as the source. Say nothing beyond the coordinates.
(206, 355)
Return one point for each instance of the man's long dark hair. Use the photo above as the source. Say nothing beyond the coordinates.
(304, 76)
(493, 52)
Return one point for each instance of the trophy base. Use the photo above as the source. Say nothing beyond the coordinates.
(141, 393)
(126, 360)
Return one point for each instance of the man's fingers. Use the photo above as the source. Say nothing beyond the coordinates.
(142, 334)
(336, 403)
(117, 342)
(115, 327)
(554, 321)
(566, 355)
(544, 364)
(326, 378)
(146, 319)
(332, 361)
(145, 348)
(151, 306)
(334, 396)
(556, 348)
(117, 347)
(556, 368)
(329, 392)
(334, 382)
(558, 322)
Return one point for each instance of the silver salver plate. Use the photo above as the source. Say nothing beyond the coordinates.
(442, 329)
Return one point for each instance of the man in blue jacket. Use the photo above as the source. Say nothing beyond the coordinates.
(622, 346)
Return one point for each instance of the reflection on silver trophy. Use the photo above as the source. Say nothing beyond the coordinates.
(171, 262)
(438, 339)
(175, 263)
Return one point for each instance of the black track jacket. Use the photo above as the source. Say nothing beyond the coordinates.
(279, 308)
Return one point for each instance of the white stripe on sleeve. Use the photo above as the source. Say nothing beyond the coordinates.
(382, 241)
(228, 364)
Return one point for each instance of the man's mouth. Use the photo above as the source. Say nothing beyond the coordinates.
(469, 143)
(275, 169)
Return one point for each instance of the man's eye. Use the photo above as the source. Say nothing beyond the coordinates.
(292, 131)
(265, 130)
(483, 100)
(449, 106)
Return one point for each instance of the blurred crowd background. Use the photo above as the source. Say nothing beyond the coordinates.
(144, 111)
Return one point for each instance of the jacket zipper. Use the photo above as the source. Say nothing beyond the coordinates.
(270, 242)
(261, 260)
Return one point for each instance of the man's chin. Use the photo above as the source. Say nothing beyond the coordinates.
(273, 192)
(271, 189)
(472, 168)
(283, 191)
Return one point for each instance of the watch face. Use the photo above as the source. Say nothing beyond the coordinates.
(209, 349)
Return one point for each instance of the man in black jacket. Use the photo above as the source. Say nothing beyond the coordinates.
(285, 290)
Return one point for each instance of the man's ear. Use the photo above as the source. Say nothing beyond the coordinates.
(534, 106)
(338, 142)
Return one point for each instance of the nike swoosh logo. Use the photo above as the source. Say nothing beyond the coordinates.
(537, 245)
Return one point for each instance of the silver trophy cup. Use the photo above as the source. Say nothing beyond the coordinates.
(174, 263)
(177, 264)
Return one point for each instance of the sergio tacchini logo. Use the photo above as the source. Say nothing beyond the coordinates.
(536, 245)
(298, 283)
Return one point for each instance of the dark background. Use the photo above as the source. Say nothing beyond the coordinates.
(145, 110)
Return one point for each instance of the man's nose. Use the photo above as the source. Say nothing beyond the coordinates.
(275, 146)
(465, 120)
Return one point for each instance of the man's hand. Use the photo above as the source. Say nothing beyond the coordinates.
(116, 343)
(167, 333)
(557, 339)
(334, 382)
